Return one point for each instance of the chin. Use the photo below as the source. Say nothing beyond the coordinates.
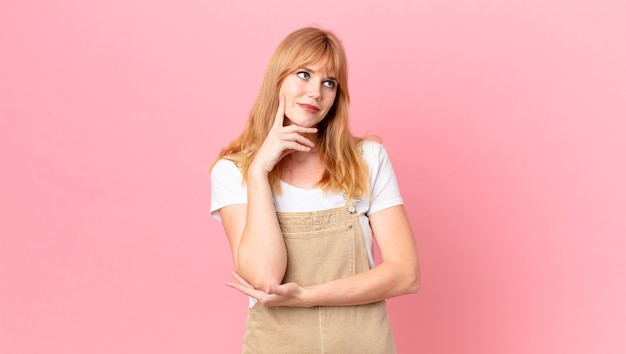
(306, 123)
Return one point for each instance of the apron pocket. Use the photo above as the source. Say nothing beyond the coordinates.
(317, 257)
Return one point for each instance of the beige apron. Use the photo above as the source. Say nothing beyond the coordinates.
(321, 246)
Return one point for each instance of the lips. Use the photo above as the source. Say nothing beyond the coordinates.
(308, 108)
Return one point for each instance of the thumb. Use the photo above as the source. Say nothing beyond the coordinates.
(280, 113)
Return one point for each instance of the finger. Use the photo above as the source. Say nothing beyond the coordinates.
(250, 291)
(262, 297)
(272, 290)
(294, 128)
(291, 146)
(295, 137)
(287, 289)
(241, 280)
(277, 290)
(242, 289)
(280, 113)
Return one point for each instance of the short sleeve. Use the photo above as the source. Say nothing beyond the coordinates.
(226, 187)
(384, 189)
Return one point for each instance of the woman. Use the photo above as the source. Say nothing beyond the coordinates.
(299, 198)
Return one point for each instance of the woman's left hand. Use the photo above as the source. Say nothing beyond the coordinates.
(288, 294)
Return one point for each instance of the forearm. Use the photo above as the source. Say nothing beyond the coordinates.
(261, 255)
(382, 282)
(398, 274)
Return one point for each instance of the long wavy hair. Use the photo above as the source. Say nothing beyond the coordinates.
(339, 149)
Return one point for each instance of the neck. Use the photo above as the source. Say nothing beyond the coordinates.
(303, 169)
(299, 157)
(302, 156)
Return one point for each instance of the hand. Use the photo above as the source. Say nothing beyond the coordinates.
(288, 294)
(282, 141)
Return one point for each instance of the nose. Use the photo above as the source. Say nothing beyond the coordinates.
(313, 89)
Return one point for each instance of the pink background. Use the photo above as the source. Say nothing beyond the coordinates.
(505, 120)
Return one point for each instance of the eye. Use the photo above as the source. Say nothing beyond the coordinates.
(303, 75)
(329, 84)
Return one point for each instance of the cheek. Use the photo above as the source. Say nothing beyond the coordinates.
(288, 88)
(288, 111)
(330, 99)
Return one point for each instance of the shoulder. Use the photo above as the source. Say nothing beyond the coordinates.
(371, 146)
(384, 190)
(225, 173)
(226, 186)
(374, 153)
(225, 167)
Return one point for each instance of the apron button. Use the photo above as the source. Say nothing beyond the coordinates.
(349, 226)
(351, 209)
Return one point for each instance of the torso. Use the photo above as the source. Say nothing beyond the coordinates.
(304, 196)
(303, 170)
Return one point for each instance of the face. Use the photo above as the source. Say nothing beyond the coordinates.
(309, 94)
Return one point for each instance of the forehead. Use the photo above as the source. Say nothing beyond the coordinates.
(322, 68)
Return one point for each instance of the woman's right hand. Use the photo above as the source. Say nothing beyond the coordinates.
(281, 141)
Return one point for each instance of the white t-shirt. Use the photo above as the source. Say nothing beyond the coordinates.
(227, 189)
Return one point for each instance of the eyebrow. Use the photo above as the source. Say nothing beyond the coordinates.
(313, 72)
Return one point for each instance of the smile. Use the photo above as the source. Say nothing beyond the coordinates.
(308, 108)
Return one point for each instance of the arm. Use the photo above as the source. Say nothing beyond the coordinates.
(255, 238)
(398, 273)
(259, 252)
